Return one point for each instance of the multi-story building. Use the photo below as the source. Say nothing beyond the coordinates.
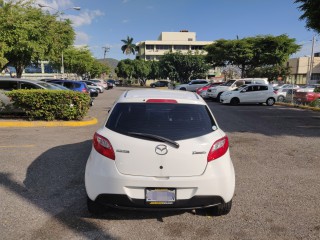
(183, 41)
(301, 69)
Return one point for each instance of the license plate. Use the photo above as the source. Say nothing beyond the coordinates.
(160, 196)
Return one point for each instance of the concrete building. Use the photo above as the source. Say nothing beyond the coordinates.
(300, 70)
(183, 41)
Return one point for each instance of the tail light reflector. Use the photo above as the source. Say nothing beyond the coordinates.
(103, 146)
(218, 149)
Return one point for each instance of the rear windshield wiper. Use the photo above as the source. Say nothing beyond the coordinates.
(155, 137)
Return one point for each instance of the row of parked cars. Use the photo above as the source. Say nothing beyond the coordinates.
(252, 90)
(304, 94)
(92, 86)
(234, 91)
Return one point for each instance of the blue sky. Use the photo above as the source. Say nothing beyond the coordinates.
(102, 23)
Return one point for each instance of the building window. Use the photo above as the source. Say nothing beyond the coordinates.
(149, 47)
(196, 47)
(190, 39)
(315, 76)
(181, 47)
(163, 47)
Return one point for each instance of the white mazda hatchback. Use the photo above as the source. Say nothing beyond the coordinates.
(160, 149)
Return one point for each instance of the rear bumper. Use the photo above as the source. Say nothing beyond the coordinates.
(105, 183)
(124, 202)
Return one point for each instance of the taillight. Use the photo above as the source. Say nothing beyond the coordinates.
(275, 92)
(84, 90)
(103, 146)
(218, 149)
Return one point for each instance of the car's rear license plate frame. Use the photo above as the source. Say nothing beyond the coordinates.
(160, 196)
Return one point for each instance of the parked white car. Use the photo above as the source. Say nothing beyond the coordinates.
(252, 93)
(192, 86)
(215, 92)
(146, 157)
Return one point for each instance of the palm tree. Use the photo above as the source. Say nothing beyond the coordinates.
(128, 46)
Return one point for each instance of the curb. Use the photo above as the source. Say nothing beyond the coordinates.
(6, 124)
(298, 106)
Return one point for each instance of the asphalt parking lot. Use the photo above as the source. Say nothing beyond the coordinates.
(275, 151)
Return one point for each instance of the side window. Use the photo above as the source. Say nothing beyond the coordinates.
(248, 82)
(8, 85)
(255, 88)
(25, 85)
(76, 85)
(263, 88)
(250, 89)
(68, 85)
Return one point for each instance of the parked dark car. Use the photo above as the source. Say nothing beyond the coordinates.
(75, 86)
(159, 84)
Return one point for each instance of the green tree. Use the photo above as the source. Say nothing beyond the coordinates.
(128, 47)
(142, 70)
(183, 67)
(252, 52)
(154, 70)
(3, 60)
(78, 60)
(311, 9)
(31, 35)
(125, 69)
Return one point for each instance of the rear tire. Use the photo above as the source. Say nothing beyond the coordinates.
(234, 101)
(281, 98)
(221, 209)
(270, 101)
(183, 89)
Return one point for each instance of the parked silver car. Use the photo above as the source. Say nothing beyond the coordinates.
(192, 85)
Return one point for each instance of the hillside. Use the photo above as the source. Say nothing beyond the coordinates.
(111, 62)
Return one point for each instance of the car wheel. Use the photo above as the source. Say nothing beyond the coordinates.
(183, 89)
(281, 98)
(221, 209)
(153, 86)
(270, 101)
(94, 207)
(234, 101)
(218, 97)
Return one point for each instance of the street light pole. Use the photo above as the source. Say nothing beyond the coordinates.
(311, 61)
(60, 12)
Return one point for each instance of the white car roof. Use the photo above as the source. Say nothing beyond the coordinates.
(145, 94)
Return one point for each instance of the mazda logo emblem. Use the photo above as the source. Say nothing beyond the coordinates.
(161, 149)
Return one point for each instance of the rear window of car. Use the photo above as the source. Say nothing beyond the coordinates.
(173, 121)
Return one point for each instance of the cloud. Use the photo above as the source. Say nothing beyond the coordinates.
(82, 38)
(78, 18)
(84, 18)
(125, 21)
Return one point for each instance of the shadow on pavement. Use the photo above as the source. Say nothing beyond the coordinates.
(55, 184)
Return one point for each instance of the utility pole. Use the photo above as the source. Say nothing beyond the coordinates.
(311, 61)
(106, 49)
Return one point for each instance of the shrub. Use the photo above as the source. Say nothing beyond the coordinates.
(51, 104)
(315, 103)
